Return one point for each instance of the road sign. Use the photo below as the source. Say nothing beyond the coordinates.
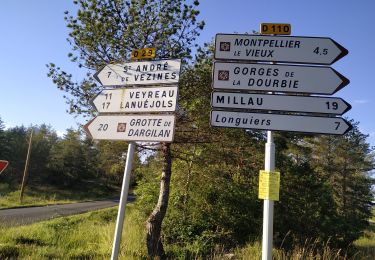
(294, 49)
(137, 100)
(147, 128)
(3, 165)
(140, 73)
(303, 104)
(146, 53)
(292, 123)
(276, 28)
(278, 78)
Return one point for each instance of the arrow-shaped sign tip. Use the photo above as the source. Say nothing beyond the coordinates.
(348, 107)
(86, 128)
(343, 51)
(350, 127)
(97, 73)
(344, 80)
(91, 102)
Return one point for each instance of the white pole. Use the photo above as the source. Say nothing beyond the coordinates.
(269, 165)
(123, 199)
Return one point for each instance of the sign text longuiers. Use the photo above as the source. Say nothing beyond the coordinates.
(279, 122)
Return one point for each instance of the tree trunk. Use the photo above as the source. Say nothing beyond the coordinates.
(154, 245)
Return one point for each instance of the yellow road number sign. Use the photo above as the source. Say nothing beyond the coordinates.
(276, 28)
(146, 53)
(269, 185)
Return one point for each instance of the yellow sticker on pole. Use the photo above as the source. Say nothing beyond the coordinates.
(146, 53)
(276, 28)
(269, 185)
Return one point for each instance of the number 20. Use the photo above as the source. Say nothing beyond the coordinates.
(103, 127)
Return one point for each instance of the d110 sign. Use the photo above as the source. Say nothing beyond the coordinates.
(146, 128)
(294, 49)
(279, 122)
(140, 73)
(137, 100)
(277, 78)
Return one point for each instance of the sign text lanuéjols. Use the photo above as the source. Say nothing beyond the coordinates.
(137, 100)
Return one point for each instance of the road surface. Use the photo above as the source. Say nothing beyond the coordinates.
(24, 216)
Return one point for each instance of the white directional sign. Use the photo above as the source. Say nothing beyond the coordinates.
(303, 104)
(140, 73)
(307, 124)
(137, 100)
(147, 128)
(294, 49)
(277, 78)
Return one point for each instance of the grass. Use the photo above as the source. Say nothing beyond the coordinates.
(85, 236)
(366, 243)
(308, 252)
(48, 195)
(90, 236)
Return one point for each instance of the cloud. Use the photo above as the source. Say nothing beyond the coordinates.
(60, 133)
(361, 101)
(8, 126)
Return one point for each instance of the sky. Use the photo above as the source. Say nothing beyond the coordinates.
(33, 33)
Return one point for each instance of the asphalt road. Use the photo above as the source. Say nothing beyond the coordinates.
(24, 216)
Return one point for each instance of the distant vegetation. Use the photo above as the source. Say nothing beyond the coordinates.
(65, 162)
(61, 170)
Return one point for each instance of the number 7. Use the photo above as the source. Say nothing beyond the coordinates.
(337, 125)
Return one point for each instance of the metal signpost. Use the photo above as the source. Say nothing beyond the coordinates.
(159, 94)
(266, 103)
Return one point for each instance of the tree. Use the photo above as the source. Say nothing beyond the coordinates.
(16, 149)
(68, 164)
(107, 31)
(43, 140)
(4, 147)
(214, 193)
(346, 162)
(111, 160)
(305, 211)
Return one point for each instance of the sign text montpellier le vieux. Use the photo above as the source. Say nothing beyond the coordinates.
(261, 110)
(120, 103)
